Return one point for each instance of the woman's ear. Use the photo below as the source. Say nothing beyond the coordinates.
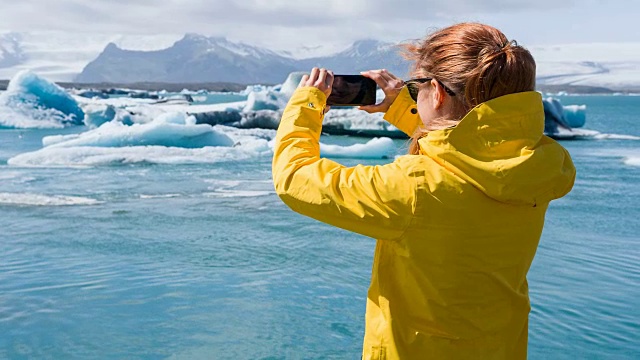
(439, 94)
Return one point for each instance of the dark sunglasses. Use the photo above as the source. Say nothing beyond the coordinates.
(413, 87)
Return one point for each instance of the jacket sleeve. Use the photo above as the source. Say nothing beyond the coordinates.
(375, 201)
(403, 113)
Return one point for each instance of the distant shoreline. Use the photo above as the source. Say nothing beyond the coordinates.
(584, 90)
(234, 87)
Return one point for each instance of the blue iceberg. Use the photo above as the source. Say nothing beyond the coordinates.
(32, 101)
(97, 114)
(575, 115)
(557, 116)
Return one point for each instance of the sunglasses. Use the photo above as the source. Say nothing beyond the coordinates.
(413, 87)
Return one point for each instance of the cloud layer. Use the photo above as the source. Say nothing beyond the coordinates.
(292, 23)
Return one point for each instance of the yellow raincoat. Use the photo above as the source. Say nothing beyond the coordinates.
(457, 226)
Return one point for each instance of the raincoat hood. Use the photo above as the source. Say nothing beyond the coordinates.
(499, 147)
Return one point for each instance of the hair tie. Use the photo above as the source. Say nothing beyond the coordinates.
(508, 44)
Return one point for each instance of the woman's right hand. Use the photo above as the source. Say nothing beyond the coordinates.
(390, 85)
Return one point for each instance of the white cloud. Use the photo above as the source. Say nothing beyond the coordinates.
(293, 23)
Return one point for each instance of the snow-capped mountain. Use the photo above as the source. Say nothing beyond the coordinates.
(61, 56)
(88, 57)
(362, 55)
(197, 58)
(611, 65)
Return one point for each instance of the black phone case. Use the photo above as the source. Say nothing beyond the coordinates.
(352, 90)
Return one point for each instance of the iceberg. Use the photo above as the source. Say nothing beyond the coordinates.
(291, 83)
(83, 156)
(90, 94)
(97, 114)
(170, 130)
(34, 102)
(376, 148)
(174, 138)
(558, 117)
(266, 100)
(575, 115)
(261, 119)
(171, 138)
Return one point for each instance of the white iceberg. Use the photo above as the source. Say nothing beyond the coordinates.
(291, 83)
(171, 130)
(376, 148)
(266, 100)
(172, 138)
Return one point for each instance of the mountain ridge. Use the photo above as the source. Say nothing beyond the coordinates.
(61, 57)
(197, 58)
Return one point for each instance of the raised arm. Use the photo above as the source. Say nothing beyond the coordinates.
(375, 201)
(400, 110)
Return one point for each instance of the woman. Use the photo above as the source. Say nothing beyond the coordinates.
(458, 220)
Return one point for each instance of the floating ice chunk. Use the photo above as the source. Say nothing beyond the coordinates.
(255, 88)
(16, 119)
(291, 84)
(91, 93)
(97, 147)
(118, 102)
(98, 114)
(171, 129)
(266, 100)
(56, 139)
(218, 117)
(255, 141)
(376, 148)
(96, 156)
(355, 122)
(570, 116)
(575, 115)
(263, 119)
(354, 119)
(34, 102)
(553, 115)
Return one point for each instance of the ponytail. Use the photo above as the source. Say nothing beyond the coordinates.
(476, 61)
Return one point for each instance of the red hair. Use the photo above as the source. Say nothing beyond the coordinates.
(474, 60)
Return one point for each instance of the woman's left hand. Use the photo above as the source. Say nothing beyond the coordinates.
(322, 79)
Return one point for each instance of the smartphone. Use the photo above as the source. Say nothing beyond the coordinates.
(352, 90)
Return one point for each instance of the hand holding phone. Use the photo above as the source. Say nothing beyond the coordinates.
(390, 84)
(318, 78)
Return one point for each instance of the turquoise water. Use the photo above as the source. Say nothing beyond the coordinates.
(205, 262)
(216, 98)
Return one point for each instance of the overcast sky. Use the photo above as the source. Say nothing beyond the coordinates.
(289, 24)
